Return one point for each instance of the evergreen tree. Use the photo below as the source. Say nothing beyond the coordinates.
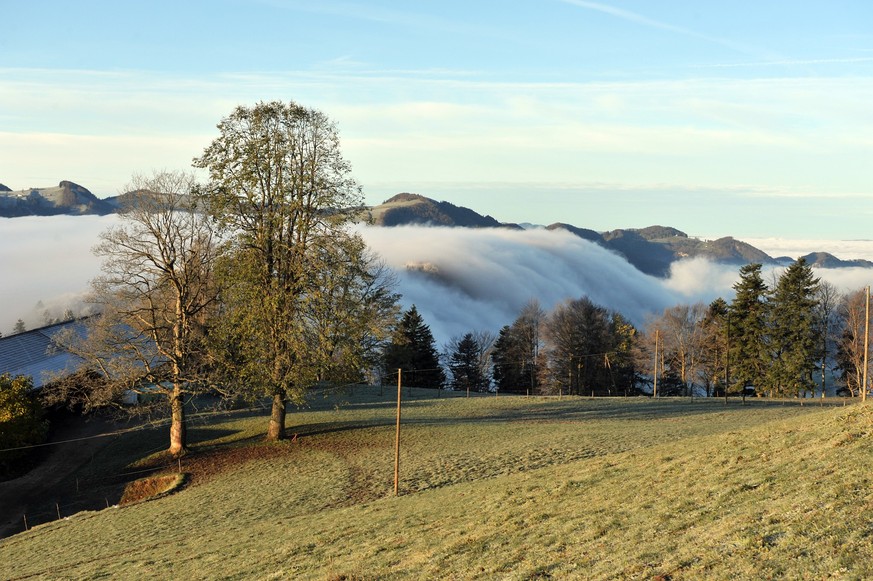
(464, 365)
(619, 361)
(508, 362)
(714, 362)
(19, 327)
(413, 350)
(578, 337)
(792, 331)
(748, 317)
(516, 354)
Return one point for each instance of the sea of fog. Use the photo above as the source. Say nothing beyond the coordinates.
(460, 279)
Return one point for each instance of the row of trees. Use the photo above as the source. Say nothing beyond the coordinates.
(783, 340)
(578, 348)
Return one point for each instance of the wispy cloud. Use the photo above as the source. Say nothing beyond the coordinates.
(637, 18)
(795, 137)
(370, 12)
(785, 62)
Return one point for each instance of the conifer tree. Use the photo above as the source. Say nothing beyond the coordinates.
(748, 351)
(516, 354)
(508, 362)
(413, 350)
(714, 365)
(464, 365)
(792, 331)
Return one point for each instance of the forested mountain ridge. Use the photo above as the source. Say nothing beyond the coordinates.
(651, 250)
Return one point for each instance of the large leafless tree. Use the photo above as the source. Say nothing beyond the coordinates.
(155, 293)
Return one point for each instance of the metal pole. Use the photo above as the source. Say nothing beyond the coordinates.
(397, 439)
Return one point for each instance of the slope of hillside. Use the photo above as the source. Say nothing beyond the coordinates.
(508, 487)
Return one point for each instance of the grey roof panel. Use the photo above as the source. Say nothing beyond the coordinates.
(35, 354)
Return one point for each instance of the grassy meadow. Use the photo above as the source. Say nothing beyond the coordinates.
(491, 488)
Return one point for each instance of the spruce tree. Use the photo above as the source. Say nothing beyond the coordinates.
(413, 350)
(508, 362)
(792, 331)
(464, 365)
(749, 356)
(714, 367)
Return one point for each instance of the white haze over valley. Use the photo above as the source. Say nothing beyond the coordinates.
(460, 279)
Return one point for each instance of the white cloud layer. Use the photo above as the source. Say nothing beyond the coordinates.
(460, 279)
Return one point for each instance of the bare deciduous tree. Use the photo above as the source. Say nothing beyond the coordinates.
(826, 322)
(154, 296)
(850, 349)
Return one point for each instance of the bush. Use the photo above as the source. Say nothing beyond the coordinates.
(21, 422)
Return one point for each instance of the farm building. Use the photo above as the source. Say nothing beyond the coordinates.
(38, 355)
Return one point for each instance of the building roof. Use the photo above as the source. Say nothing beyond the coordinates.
(36, 354)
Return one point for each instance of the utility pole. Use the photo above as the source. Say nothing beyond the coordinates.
(866, 343)
(655, 387)
(397, 438)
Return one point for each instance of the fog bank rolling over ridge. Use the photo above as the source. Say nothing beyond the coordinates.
(460, 279)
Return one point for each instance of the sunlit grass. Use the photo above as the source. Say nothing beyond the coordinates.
(506, 487)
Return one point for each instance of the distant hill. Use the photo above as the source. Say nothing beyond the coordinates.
(404, 209)
(827, 260)
(651, 250)
(66, 198)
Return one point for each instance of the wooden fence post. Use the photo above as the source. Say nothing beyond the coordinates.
(397, 437)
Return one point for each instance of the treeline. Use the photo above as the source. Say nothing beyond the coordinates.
(787, 339)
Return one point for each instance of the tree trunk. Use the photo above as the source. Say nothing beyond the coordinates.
(276, 431)
(178, 432)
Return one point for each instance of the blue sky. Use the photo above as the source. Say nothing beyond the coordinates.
(751, 119)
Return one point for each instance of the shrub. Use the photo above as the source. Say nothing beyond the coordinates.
(21, 422)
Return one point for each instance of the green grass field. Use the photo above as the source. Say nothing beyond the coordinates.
(491, 488)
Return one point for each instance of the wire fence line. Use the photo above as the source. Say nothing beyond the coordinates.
(88, 489)
(87, 493)
(82, 489)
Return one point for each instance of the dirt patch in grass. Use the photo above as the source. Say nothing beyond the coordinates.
(203, 465)
(207, 465)
(151, 487)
